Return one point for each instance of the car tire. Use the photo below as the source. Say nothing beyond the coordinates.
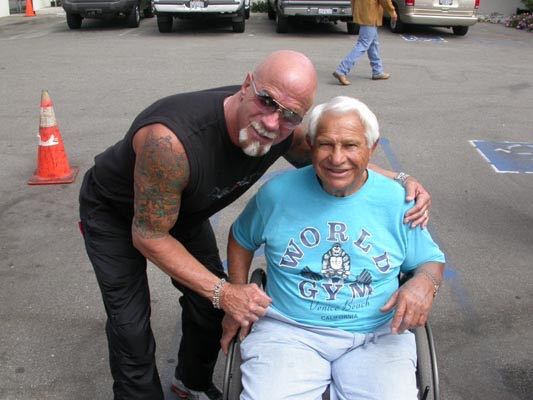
(459, 30)
(282, 23)
(398, 26)
(134, 17)
(148, 11)
(353, 28)
(74, 20)
(270, 11)
(238, 26)
(164, 23)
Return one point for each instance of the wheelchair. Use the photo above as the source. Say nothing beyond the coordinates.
(427, 376)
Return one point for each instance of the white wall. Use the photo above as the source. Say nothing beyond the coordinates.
(4, 8)
(505, 7)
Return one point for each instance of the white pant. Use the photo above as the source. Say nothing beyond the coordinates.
(286, 360)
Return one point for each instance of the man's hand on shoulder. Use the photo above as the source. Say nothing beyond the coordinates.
(419, 214)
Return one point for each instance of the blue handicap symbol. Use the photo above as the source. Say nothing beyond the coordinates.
(506, 157)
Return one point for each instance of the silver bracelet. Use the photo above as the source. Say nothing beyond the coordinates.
(401, 178)
(217, 291)
(436, 285)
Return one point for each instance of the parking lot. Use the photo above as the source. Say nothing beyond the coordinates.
(449, 100)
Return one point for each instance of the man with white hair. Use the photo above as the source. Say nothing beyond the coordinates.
(150, 196)
(335, 245)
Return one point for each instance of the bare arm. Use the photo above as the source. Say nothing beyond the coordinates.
(239, 262)
(414, 299)
(299, 153)
(161, 174)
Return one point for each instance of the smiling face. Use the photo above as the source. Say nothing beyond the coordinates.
(285, 82)
(340, 153)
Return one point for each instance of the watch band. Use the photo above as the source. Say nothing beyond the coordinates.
(401, 178)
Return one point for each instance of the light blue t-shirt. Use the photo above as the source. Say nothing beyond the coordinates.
(333, 261)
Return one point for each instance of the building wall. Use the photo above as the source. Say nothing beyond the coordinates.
(505, 7)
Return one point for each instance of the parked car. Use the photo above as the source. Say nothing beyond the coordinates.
(77, 10)
(236, 10)
(456, 14)
(316, 10)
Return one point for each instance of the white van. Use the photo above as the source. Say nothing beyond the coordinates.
(456, 14)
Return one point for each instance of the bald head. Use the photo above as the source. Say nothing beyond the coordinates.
(292, 71)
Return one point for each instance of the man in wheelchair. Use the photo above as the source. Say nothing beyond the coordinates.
(335, 245)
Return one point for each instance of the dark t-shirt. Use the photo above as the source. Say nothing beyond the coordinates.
(219, 171)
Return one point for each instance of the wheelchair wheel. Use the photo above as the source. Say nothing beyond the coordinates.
(426, 368)
(232, 373)
(232, 386)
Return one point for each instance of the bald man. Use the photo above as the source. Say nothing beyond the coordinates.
(150, 196)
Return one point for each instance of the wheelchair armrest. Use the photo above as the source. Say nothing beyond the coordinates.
(258, 277)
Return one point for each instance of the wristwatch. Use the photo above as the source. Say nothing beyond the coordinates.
(401, 178)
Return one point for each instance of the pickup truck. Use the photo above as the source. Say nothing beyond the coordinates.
(236, 10)
(77, 10)
(316, 10)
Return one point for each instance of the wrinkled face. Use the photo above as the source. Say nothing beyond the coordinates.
(340, 153)
(270, 112)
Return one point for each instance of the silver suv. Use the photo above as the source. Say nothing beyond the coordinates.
(456, 14)
(167, 10)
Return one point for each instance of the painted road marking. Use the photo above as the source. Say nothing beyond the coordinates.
(506, 157)
(415, 38)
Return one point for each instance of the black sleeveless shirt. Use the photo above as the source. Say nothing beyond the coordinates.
(219, 171)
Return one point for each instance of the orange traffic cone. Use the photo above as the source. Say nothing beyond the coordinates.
(29, 9)
(52, 162)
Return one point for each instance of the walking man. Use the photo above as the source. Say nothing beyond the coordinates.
(369, 15)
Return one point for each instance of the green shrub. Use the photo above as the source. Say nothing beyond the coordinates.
(528, 4)
(261, 6)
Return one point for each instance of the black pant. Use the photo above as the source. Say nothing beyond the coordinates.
(121, 273)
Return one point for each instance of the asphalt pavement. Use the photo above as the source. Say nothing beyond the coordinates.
(456, 114)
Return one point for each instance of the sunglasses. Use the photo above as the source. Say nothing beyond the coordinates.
(268, 102)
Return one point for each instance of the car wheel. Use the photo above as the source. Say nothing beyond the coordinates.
(238, 26)
(398, 26)
(148, 11)
(270, 11)
(282, 23)
(247, 6)
(134, 17)
(74, 21)
(352, 27)
(164, 23)
(460, 30)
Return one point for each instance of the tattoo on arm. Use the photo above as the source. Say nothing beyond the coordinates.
(161, 174)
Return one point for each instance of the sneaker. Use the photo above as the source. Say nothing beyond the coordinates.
(342, 79)
(382, 76)
(212, 393)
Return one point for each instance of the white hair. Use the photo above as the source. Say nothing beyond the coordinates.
(344, 105)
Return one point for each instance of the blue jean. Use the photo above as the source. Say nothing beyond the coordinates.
(368, 42)
(286, 360)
